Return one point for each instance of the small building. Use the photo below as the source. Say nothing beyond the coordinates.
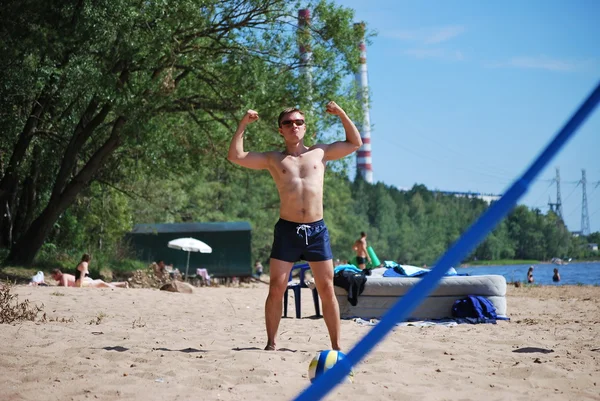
(593, 247)
(231, 244)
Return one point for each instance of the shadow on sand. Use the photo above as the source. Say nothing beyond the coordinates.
(530, 350)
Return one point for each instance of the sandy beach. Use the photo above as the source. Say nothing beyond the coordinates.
(145, 344)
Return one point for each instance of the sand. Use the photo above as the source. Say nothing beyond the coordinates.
(145, 344)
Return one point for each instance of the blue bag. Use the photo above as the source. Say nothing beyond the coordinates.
(475, 308)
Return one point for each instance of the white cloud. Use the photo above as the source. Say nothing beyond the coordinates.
(537, 63)
(435, 53)
(427, 36)
(401, 35)
(444, 34)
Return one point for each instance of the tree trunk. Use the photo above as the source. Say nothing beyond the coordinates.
(27, 247)
(10, 181)
(84, 129)
(28, 200)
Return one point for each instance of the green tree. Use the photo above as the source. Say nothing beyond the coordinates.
(112, 91)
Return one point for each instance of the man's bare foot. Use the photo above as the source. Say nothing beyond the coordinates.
(270, 347)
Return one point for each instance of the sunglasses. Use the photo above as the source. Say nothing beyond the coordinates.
(290, 122)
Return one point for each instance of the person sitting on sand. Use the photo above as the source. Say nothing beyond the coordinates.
(530, 275)
(556, 276)
(160, 270)
(82, 278)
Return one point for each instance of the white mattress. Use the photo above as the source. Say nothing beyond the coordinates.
(383, 292)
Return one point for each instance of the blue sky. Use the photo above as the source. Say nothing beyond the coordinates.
(465, 94)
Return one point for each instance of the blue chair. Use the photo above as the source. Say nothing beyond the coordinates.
(296, 287)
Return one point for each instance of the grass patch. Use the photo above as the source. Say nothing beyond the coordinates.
(61, 319)
(99, 318)
(127, 265)
(18, 275)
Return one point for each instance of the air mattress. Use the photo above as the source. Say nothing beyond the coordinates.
(381, 293)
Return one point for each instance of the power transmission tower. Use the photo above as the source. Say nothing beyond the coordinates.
(552, 205)
(585, 217)
(557, 207)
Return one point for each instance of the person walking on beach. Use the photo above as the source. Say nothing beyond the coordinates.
(360, 247)
(300, 233)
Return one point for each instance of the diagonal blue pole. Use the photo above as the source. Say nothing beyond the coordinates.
(461, 248)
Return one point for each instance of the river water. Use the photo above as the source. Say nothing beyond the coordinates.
(574, 273)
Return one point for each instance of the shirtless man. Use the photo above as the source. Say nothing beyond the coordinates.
(64, 280)
(360, 247)
(300, 233)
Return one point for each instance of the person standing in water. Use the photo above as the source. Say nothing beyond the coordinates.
(530, 275)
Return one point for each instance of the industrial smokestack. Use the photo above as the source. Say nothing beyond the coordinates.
(363, 158)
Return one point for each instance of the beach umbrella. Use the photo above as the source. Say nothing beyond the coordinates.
(189, 245)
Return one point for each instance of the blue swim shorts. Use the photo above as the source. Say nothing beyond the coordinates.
(301, 241)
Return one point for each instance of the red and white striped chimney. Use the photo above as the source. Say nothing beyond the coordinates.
(363, 158)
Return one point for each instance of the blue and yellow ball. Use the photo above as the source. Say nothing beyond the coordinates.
(325, 360)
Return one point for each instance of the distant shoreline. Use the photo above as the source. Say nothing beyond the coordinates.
(522, 262)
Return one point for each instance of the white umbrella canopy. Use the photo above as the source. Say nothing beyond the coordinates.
(189, 245)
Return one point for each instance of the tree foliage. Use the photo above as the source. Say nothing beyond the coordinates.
(120, 112)
(115, 91)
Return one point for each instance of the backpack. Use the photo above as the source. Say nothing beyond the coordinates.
(474, 306)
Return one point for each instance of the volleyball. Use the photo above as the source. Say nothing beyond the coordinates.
(323, 361)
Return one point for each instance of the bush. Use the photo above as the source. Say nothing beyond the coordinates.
(11, 310)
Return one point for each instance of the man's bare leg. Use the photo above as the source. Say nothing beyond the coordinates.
(323, 275)
(279, 275)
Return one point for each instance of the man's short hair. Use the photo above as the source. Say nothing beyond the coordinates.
(56, 271)
(363, 234)
(288, 111)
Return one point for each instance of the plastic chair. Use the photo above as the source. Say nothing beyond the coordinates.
(296, 287)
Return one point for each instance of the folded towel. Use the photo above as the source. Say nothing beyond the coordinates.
(396, 270)
(38, 278)
(405, 271)
(351, 268)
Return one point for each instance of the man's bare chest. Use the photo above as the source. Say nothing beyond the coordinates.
(299, 167)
